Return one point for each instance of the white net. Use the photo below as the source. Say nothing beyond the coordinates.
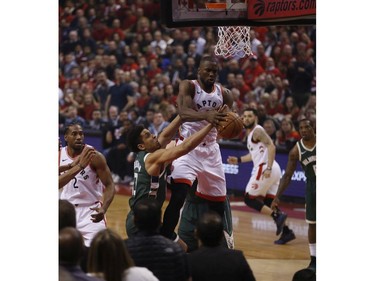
(234, 41)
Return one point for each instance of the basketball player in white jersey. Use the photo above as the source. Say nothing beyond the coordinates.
(92, 190)
(198, 104)
(72, 169)
(265, 176)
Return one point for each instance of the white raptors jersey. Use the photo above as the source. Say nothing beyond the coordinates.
(85, 187)
(258, 150)
(203, 102)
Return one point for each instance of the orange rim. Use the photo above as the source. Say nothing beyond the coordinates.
(216, 5)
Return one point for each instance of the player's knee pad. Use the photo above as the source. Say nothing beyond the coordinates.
(268, 201)
(253, 203)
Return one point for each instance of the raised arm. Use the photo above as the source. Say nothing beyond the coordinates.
(169, 132)
(64, 168)
(161, 156)
(286, 178)
(106, 105)
(262, 136)
(104, 174)
(130, 103)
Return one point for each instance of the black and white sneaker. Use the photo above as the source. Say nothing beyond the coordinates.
(286, 236)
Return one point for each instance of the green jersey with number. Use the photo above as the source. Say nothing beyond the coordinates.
(146, 185)
(307, 158)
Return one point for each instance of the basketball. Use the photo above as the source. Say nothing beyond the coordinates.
(231, 127)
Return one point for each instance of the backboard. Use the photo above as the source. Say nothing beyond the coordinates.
(185, 13)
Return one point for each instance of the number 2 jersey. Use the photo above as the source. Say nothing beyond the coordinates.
(85, 187)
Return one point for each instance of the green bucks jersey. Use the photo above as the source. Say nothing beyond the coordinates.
(307, 158)
(146, 185)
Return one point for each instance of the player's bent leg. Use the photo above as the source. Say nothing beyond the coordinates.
(268, 200)
(287, 234)
(253, 203)
(189, 218)
(172, 212)
(278, 216)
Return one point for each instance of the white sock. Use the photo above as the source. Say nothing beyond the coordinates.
(312, 249)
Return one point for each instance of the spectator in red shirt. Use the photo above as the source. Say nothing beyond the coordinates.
(287, 135)
(149, 53)
(153, 69)
(99, 31)
(130, 63)
(169, 95)
(271, 68)
(244, 89)
(273, 106)
(116, 28)
(253, 71)
(126, 16)
(88, 107)
(290, 109)
(262, 57)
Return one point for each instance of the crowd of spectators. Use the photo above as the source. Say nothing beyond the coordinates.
(116, 58)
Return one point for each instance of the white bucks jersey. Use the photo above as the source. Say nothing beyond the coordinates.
(258, 150)
(203, 101)
(85, 187)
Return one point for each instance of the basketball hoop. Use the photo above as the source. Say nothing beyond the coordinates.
(234, 41)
